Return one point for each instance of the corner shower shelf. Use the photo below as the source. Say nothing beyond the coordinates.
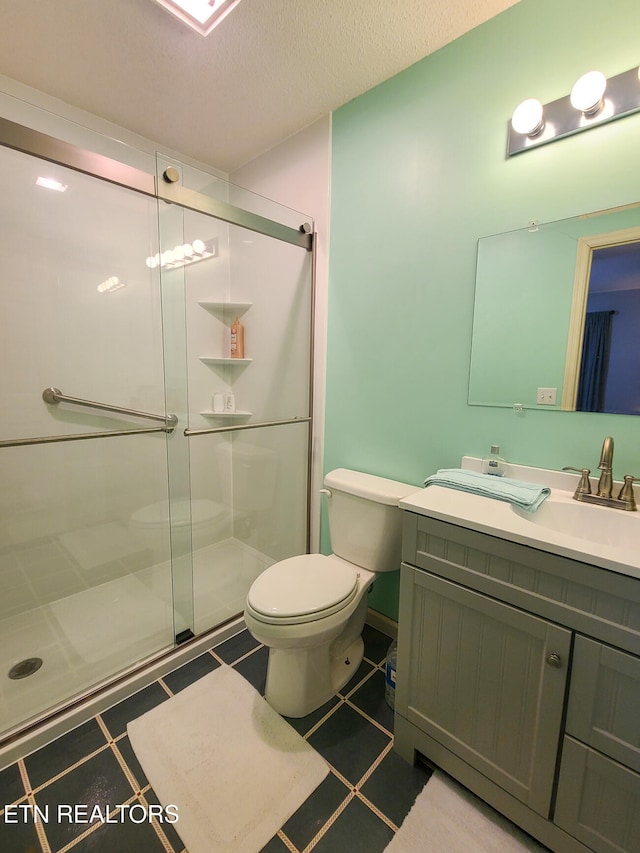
(236, 414)
(225, 361)
(226, 308)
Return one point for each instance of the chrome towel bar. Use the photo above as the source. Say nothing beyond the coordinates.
(53, 396)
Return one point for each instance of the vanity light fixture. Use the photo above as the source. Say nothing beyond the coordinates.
(201, 15)
(593, 100)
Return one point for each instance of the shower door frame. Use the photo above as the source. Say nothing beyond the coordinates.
(164, 188)
(45, 147)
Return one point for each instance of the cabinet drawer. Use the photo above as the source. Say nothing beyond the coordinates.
(598, 800)
(591, 600)
(604, 701)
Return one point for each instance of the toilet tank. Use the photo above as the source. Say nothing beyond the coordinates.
(365, 522)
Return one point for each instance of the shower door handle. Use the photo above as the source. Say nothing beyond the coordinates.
(53, 396)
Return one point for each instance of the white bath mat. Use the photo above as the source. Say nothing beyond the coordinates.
(233, 767)
(447, 818)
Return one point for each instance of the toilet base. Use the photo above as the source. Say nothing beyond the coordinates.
(301, 680)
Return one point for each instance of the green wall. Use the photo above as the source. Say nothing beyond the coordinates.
(419, 174)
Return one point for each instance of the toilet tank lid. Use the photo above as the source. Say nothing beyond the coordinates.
(368, 486)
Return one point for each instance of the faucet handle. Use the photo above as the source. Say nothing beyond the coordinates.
(626, 492)
(584, 486)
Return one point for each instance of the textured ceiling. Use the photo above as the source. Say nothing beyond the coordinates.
(269, 69)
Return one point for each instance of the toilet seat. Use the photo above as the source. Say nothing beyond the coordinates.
(302, 589)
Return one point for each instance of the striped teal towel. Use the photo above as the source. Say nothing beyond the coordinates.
(526, 496)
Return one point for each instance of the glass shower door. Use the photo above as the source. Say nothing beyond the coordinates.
(86, 579)
(230, 254)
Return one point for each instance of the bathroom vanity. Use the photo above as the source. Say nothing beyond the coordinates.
(519, 660)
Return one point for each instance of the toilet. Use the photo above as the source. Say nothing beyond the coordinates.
(310, 610)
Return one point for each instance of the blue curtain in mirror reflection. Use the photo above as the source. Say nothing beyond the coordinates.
(595, 361)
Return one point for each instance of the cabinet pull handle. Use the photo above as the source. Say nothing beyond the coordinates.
(554, 660)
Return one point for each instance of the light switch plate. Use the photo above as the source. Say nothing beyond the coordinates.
(546, 396)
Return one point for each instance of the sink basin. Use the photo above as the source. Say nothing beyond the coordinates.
(601, 525)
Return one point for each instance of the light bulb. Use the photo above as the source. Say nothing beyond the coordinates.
(527, 117)
(588, 92)
(198, 246)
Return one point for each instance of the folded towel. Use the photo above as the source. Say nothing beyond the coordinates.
(526, 496)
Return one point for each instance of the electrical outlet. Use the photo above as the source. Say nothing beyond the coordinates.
(546, 396)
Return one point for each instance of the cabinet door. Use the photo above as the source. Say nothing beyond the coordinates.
(598, 800)
(604, 701)
(478, 676)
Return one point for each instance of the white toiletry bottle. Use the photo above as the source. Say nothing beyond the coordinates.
(494, 463)
(229, 402)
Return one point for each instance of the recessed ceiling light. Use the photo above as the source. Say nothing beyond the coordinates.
(51, 184)
(201, 15)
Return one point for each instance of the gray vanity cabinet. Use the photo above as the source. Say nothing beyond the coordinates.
(519, 675)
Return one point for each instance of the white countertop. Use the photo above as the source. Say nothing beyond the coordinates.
(600, 536)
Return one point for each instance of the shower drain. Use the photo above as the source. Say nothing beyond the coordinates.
(25, 668)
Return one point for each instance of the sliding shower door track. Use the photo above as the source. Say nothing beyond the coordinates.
(45, 147)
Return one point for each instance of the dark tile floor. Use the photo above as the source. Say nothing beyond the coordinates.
(358, 807)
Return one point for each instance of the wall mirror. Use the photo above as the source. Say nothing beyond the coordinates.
(556, 320)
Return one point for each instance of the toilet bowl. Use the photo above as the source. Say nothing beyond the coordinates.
(310, 610)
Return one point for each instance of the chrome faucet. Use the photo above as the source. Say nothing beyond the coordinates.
(603, 497)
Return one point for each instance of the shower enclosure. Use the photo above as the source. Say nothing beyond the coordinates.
(132, 516)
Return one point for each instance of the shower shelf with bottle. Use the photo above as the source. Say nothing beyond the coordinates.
(225, 310)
